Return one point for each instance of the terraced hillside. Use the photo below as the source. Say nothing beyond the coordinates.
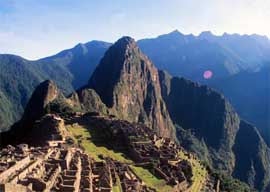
(87, 135)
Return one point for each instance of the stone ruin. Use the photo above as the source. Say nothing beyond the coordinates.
(63, 169)
(60, 166)
(145, 148)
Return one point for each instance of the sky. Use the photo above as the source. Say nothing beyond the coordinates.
(37, 28)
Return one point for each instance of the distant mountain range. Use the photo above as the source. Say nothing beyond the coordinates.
(70, 69)
(188, 56)
(201, 119)
(128, 86)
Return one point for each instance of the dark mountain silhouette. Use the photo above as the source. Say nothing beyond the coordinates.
(249, 93)
(208, 125)
(251, 161)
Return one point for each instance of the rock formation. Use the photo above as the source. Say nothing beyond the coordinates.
(128, 84)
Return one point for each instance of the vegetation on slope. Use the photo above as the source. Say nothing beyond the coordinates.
(83, 136)
(69, 69)
(94, 142)
(198, 170)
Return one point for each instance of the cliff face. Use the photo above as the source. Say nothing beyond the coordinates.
(128, 84)
(206, 113)
(209, 121)
(252, 157)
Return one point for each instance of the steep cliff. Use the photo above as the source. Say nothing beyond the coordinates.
(252, 157)
(204, 111)
(208, 125)
(128, 84)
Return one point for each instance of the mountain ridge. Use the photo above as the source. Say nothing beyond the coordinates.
(156, 102)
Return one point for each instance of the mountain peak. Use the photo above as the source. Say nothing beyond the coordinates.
(124, 43)
(44, 93)
(206, 34)
(47, 83)
(125, 40)
(173, 34)
(127, 82)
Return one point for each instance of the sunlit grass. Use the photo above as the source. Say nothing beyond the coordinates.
(83, 137)
(199, 173)
(150, 180)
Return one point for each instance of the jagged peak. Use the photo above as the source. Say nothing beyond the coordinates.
(44, 93)
(125, 39)
(173, 34)
(124, 43)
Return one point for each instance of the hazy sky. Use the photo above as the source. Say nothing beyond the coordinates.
(38, 28)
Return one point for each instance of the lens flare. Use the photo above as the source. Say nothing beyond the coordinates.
(208, 74)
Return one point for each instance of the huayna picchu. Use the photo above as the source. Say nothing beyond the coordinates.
(132, 128)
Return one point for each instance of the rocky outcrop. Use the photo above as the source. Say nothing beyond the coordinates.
(128, 84)
(45, 92)
(87, 100)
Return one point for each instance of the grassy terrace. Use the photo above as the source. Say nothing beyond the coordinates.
(150, 180)
(199, 173)
(83, 137)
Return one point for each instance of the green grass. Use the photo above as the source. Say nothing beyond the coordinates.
(199, 173)
(150, 180)
(83, 137)
(117, 187)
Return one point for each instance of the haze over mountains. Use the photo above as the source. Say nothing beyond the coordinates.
(122, 81)
(128, 86)
(188, 56)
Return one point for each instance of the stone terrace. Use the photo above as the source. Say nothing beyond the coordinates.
(63, 169)
(160, 155)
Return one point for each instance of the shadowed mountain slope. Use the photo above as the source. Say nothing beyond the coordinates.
(209, 126)
(249, 93)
